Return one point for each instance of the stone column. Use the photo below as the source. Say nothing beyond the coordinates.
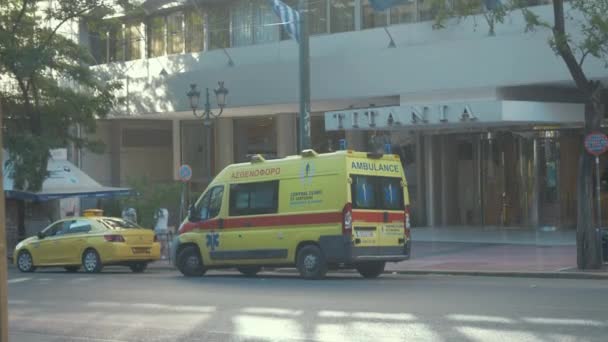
(115, 152)
(224, 143)
(286, 135)
(177, 147)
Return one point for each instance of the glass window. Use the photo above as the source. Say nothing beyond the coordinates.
(264, 27)
(342, 16)
(254, 198)
(175, 33)
(118, 223)
(116, 44)
(374, 192)
(215, 202)
(254, 136)
(317, 17)
(79, 226)
(402, 14)
(372, 18)
(156, 34)
(57, 229)
(133, 37)
(98, 43)
(242, 23)
(218, 27)
(210, 205)
(195, 31)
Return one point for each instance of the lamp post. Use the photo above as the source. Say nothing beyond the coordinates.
(207, 115)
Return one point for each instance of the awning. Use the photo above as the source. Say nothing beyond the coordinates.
(64, 180)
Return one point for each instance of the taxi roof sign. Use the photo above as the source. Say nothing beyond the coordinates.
(92, 212)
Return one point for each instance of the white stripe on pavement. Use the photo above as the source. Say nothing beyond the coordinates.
(18, 280)
(563, 321)
(480, 318)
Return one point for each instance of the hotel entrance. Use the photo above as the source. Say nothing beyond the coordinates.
(499, 178)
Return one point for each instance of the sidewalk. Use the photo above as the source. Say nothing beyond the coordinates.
(489, 251)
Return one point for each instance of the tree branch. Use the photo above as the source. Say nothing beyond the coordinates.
(563, 48)
(582, 60)
(20, 16)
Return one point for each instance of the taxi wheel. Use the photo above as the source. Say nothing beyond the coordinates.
(91, 263)
(311, 262)
(138, 267)
(72, 269)
(371, 269)
(249, 271)
(25, 263)
(190, 263)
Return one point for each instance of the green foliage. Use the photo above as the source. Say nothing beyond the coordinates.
(463, 9)
(47, 86)
(147, 199)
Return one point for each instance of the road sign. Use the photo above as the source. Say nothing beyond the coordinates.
(185, 173)
(596, 143)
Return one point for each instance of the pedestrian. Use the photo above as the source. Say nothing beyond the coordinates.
(161, 229)
(129, 214)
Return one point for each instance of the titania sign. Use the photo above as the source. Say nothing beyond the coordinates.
(453, 115)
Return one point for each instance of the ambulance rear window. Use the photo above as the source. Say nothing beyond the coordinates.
(373, 192)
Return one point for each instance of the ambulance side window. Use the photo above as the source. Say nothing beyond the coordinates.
(210, 205)
(254, 198)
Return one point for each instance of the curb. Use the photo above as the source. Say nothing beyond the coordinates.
(510, 274)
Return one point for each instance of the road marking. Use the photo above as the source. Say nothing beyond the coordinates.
(479, 318)
(152, 306)
(483, 335)
(81, 279)
(368, 315)
(563, 321)
(18, 302)
(18, 280)
(268, 327)
(271, 311)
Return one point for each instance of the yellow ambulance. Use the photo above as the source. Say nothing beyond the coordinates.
(317, 212)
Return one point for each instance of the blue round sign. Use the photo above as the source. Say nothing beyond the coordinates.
(596, 143)
(185, 173)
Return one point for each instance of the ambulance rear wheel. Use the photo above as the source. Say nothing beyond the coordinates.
(371, 269)
(249, 271)
(311, 262)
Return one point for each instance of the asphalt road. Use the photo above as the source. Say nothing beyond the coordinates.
(161, 305)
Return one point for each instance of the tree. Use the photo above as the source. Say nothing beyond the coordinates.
(48, 88)
(592, 41)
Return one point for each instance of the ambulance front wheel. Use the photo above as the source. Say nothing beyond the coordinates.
(311, 262)
(190, 262)
(371, 269)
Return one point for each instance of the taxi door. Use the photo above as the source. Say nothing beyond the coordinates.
(72, 243)
(47, 250)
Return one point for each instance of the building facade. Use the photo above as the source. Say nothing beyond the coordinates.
(488, 127)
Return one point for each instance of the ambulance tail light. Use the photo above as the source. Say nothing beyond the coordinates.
(347, 219)
(407, 224)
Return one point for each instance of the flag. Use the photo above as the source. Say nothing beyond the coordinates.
(381, 5)
(289, 17)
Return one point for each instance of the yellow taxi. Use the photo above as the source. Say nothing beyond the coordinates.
(317, 212)
(90, 242)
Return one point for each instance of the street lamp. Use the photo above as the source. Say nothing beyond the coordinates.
(207, 115)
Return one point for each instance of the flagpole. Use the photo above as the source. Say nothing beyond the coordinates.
(304, 62)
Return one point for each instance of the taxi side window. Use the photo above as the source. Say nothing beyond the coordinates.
(79, 226)
(54, 230)
(254, 198)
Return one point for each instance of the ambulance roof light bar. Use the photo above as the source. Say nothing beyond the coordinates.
(309, 153)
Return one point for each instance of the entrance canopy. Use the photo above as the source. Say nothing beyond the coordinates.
(64, 180)
(456, 115)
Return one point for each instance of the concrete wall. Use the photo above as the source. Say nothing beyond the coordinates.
(98, 166)
(358, 64)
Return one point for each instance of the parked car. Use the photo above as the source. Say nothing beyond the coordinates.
(88, 242)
